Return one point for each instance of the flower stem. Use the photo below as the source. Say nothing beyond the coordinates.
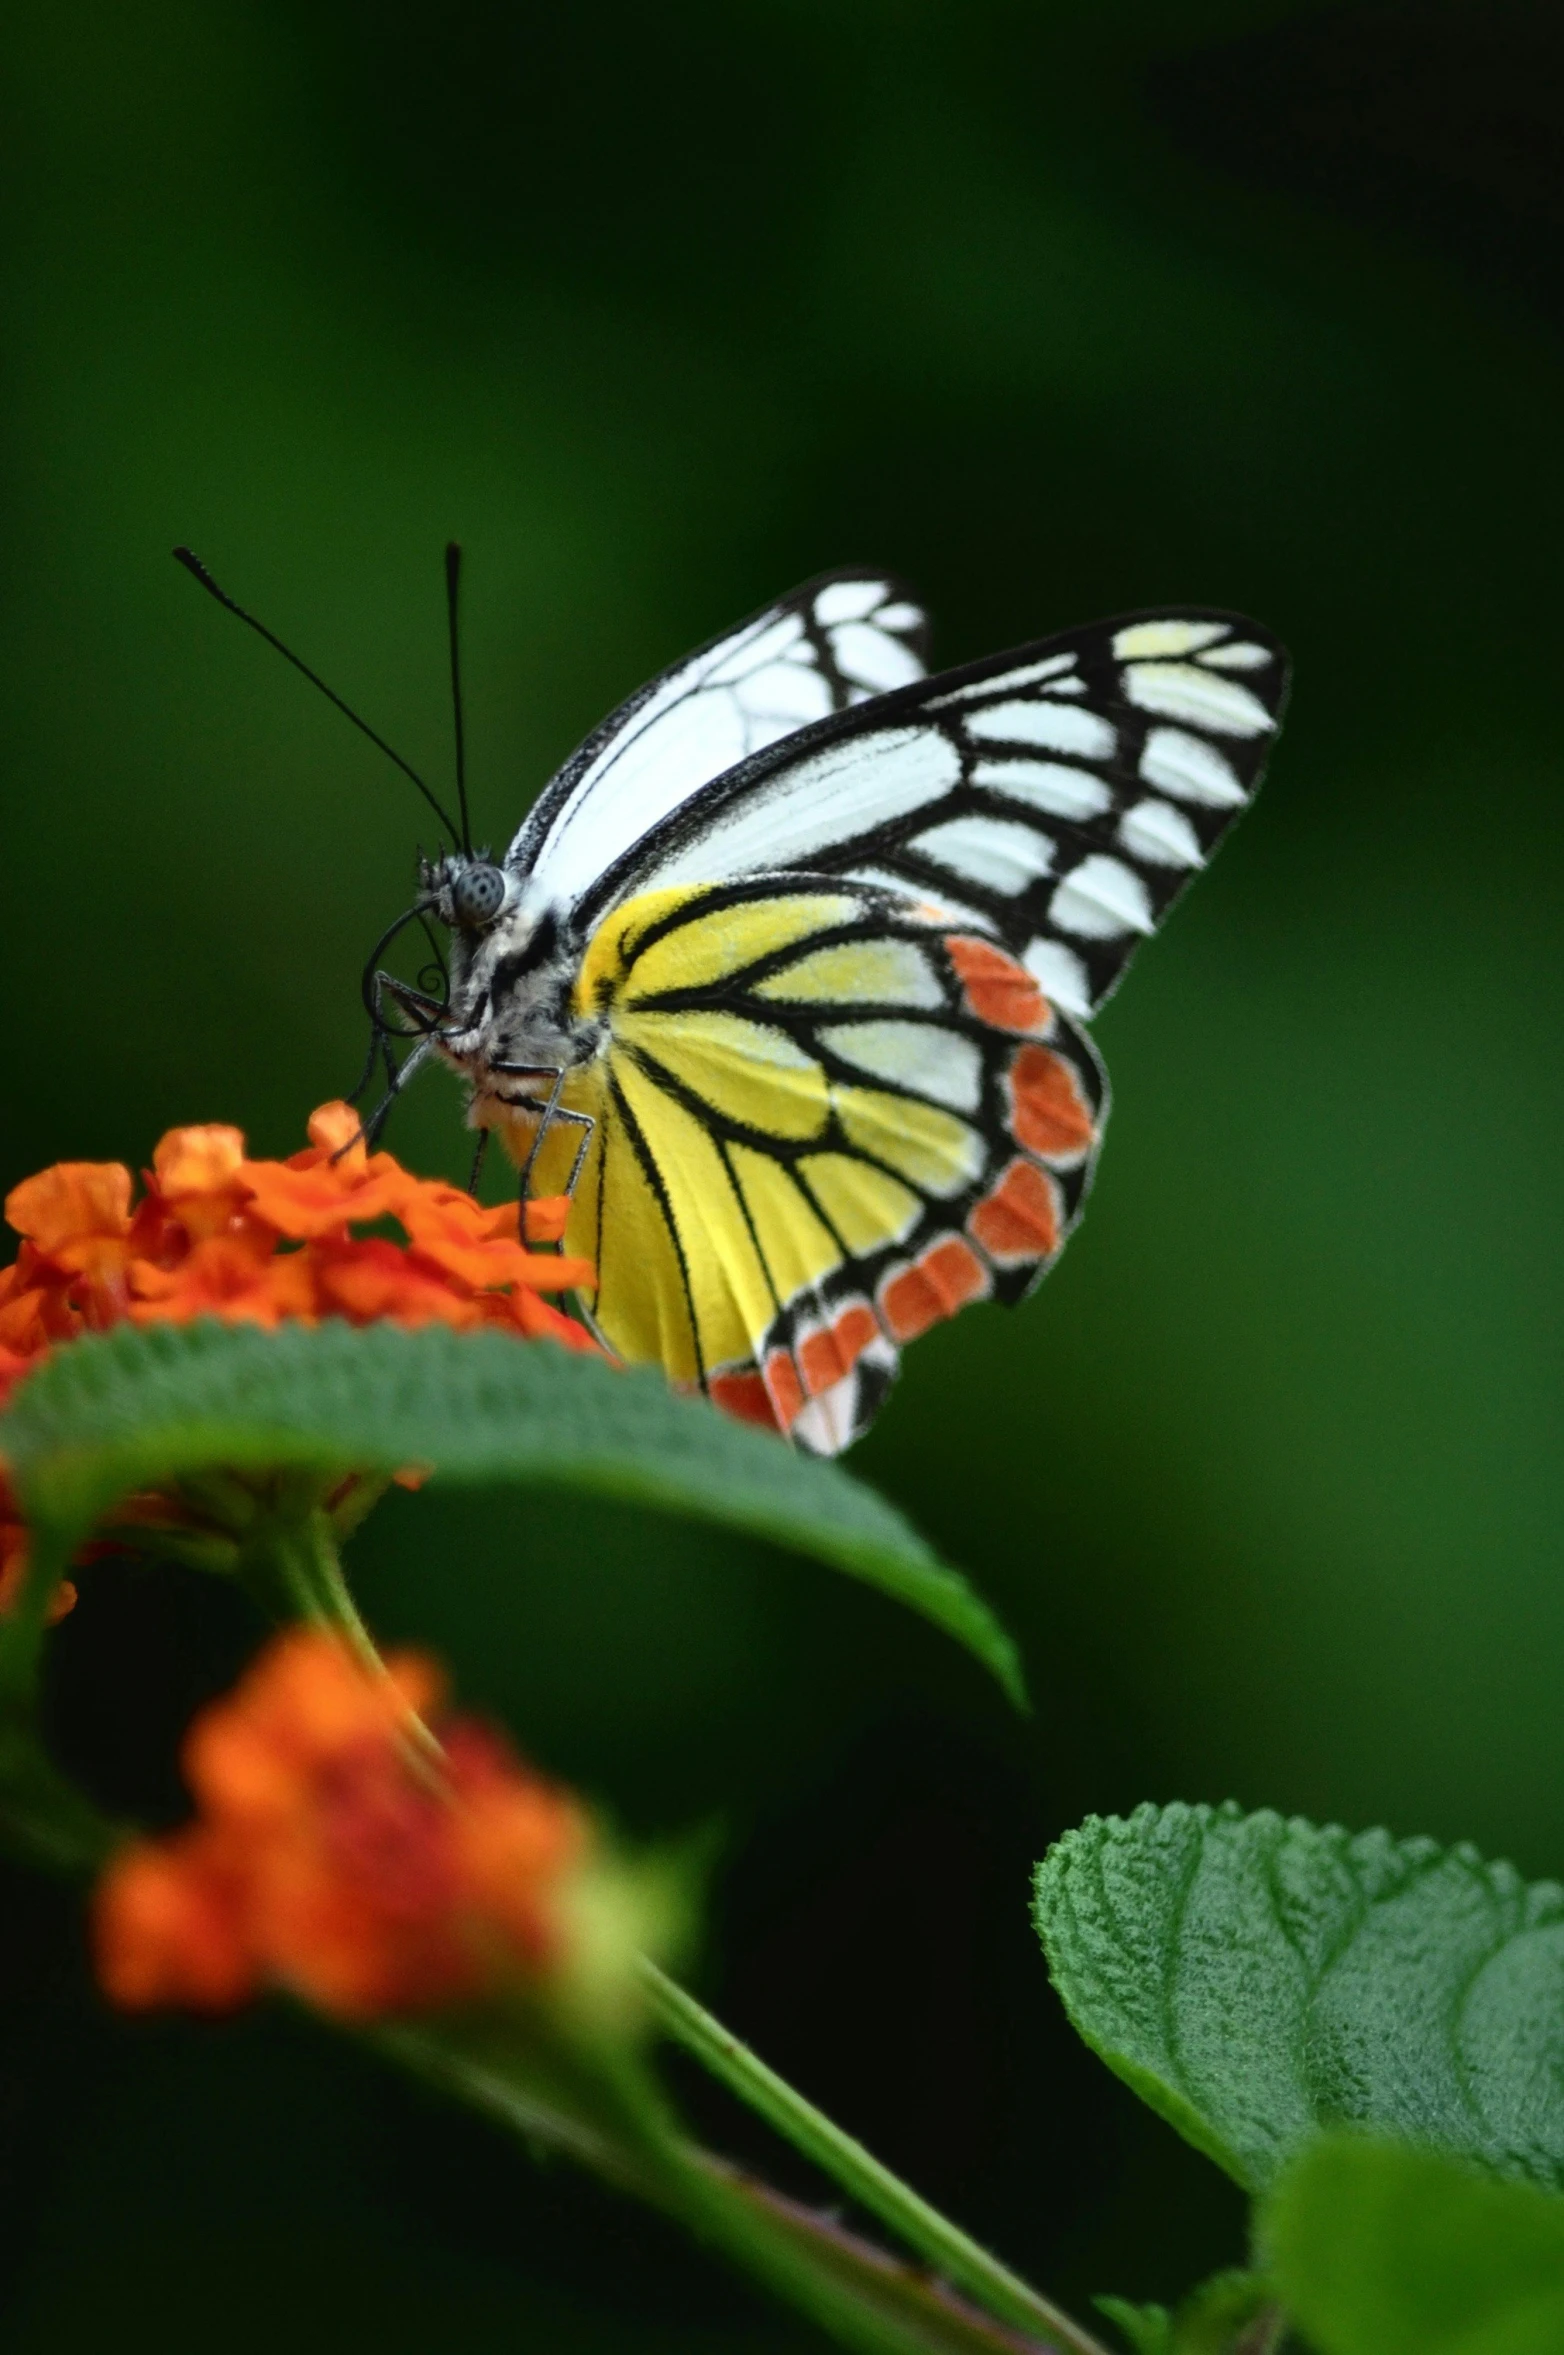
(617, 2124)
(293, 1567)
(23, 1624)
(860, 2294)
(942, 2244)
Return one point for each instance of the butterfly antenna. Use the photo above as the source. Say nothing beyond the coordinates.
(453, 577)
(194, 566)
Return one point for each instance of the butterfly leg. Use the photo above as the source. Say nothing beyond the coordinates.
(546, 1118)
(397, 1077)
(422, 1010)
(376, 1045)
(548, 1113)
(585, 1122)
(425, 1013)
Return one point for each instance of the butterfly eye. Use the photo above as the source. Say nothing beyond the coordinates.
(477, 895)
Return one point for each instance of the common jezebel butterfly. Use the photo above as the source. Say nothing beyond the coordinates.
(784, 975)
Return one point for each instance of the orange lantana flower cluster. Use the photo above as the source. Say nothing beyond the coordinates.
(340, 1854)
(217, 1234)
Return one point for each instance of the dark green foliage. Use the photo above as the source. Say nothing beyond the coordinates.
(134, 1409)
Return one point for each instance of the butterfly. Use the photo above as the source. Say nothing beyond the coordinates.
(784, 976)
(783, 980)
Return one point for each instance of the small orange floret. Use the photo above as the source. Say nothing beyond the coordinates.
(172, 1932)
(373, 1280)
(213, 1236)
(336, 1131)
(265, 1242)
(77, 1218)
(72, 1204)
(476, 1245)
(546, 1219)
(198, 1161)
(316, 1193)
(336, 1853)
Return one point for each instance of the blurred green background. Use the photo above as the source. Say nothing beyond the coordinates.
(1059, 312)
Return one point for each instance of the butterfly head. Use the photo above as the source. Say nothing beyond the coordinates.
(466, 891)
(507, 968)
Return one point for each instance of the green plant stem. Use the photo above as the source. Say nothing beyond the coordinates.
(545, 2118)
(858, 2293)
(291, 1564)
(942, 2244)
(862, 2297)
(24, 1624)
(43, 1817)
(359, 1502)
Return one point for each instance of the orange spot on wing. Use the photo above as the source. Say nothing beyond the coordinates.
(744, 1395)
(1047, 1114)
(938, 1282)
(998, 991)
(784, 1387)
(1019, 1219)
(831, 1351)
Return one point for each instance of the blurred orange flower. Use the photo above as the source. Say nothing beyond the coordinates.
(336, 1852)
(217, 1234)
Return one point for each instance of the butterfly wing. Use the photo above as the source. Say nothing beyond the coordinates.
(829, 645)
(841, 1092)
(825, 1119)
(1060, 797)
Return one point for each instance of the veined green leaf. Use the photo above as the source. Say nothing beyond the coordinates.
(1382, 2249)
(1255, 1979)
(135, 1409)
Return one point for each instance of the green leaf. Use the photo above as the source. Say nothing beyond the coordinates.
(1255, 1979)
(1208, 2322)
(135, 1409)
(1149, 2329)
(1380, 2249)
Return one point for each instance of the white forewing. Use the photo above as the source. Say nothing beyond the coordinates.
(1004, 854)
(1059, 797)
(830, 645)
(836, 793)
(1050, 833)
